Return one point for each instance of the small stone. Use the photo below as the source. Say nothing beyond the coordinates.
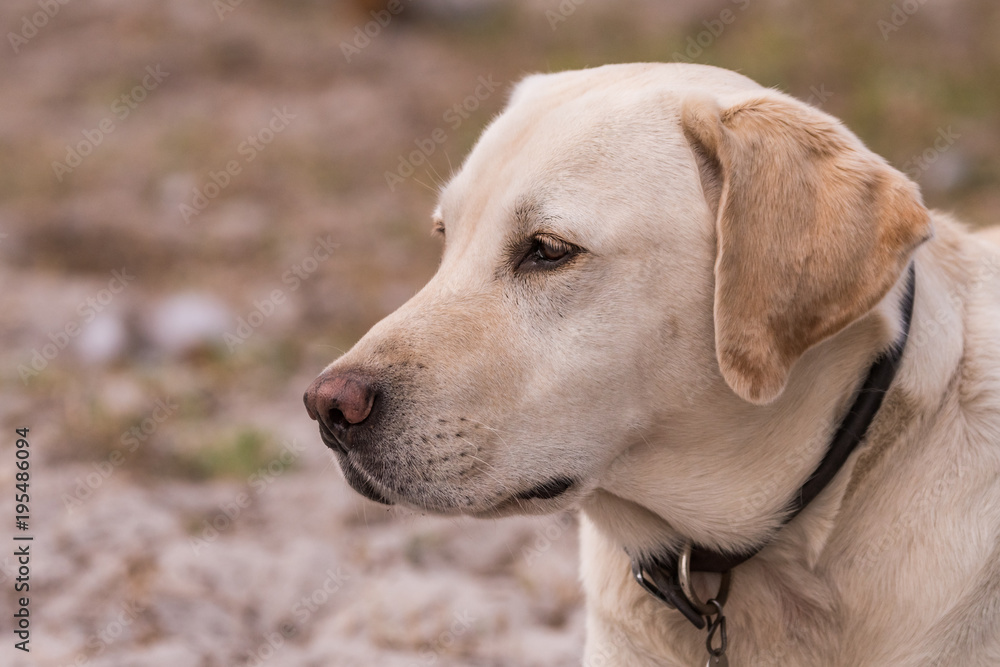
(185, 322)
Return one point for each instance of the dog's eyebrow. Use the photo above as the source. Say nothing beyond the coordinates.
(525, 209)
(529, 215)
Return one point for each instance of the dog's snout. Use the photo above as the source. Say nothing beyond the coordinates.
(340, 400)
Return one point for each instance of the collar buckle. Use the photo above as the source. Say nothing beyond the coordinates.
(669, 580)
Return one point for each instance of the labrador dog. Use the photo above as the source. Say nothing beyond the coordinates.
(662, 289)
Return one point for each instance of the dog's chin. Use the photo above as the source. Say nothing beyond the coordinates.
(360, 483)
(553, 495)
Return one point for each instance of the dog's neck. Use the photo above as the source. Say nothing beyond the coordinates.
(843, 573)
(744, 462)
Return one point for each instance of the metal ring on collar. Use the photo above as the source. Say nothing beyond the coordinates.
(684, 579)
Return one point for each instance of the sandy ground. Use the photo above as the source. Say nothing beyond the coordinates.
(203, 203)
(290, 569)
(183, 510)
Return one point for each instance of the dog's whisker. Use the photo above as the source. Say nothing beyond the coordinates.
(438, 180)
(429, 188)
(331, 347)
(489, 465)
(451, 169)
(495, 431)
(502, 484)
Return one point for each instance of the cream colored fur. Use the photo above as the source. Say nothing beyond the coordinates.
(743, 259)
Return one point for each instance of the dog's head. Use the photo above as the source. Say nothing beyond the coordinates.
(624, 245)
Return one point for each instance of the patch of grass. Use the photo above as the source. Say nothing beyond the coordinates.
(237, 455)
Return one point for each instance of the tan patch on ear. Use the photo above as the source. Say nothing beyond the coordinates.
(813, 230)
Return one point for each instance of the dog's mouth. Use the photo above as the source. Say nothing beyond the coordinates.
(553, 488)
(354, 477)
(361, 483)
(548, 490)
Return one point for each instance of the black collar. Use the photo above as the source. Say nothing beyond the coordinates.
(660, 576)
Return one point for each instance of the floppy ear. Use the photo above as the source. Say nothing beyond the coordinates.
(812, 229)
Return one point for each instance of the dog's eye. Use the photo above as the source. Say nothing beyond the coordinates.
(547, 252)
(550, 251)
(438, 229)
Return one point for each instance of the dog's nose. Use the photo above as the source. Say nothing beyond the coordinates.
(340, 400)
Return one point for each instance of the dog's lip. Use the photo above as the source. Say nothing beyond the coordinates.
(355, 478)
(547, 490)
(360, 483)
(552, 488)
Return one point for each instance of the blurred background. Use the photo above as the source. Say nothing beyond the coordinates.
(204, 202)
